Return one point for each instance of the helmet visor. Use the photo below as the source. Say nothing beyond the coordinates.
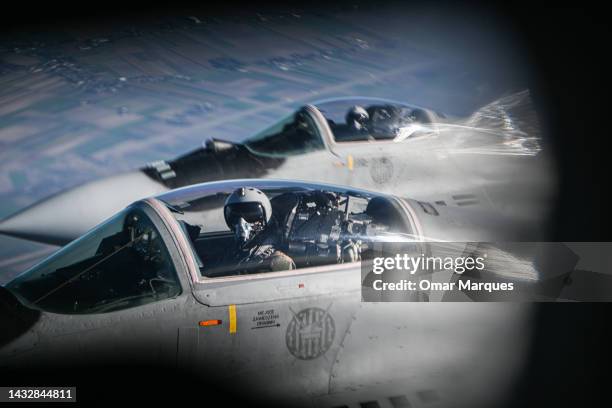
(250, 212)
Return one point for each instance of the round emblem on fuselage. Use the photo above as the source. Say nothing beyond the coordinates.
(310, 333)
(381, 170)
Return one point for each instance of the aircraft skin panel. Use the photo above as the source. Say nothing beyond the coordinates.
(281, 350)
(376, 350)
(94, 338)
(273, 286)
(463, 224)
(315, 350)
(414, 348)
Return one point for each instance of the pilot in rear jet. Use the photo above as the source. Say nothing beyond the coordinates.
(248, 213)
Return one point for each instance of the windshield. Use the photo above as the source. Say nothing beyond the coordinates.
(296, 134)
(364, 119)
(122, 263)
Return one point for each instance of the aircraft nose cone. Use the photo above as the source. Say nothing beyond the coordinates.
(64, 217)
(51, 220)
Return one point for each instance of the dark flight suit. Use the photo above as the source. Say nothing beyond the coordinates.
(263, 255)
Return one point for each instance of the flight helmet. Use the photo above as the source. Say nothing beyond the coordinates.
(247, 211)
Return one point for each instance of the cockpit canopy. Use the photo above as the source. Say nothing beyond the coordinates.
(313, 224)
(293, 135)
(379, 119)
(304, 131)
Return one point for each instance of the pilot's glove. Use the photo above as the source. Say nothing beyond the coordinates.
(279, 261)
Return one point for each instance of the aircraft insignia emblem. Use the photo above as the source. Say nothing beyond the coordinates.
(310, 333)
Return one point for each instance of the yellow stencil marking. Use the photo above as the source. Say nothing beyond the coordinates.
(349, 162)
(232, 319)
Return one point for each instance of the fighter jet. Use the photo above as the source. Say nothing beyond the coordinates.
(495, 158)
(151, 282)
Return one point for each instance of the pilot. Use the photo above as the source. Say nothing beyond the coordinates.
(357, 118)
(248, 213)
(355, 129)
